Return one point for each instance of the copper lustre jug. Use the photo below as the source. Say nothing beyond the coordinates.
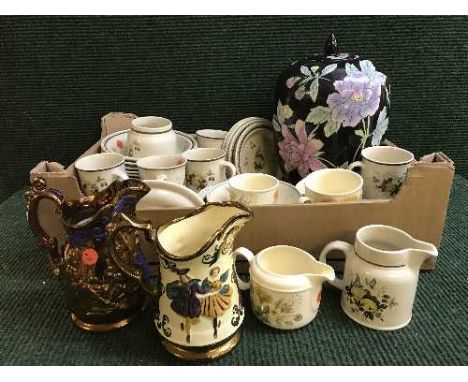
(100, 296)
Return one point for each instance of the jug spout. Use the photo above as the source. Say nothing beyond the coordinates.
(421, 252)
(319, 272)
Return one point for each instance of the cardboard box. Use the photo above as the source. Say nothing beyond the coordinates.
(419, 208)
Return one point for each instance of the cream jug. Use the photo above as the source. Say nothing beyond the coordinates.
(199, 310)
(285, 285)
(380, 275)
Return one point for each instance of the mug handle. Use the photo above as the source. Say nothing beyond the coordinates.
(119, 174)
(343, 246)
(357, 164)
(249, 256)
(231, 168)
(119, 222)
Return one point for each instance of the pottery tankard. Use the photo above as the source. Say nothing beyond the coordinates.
(380, 275)
(100, 296)
(198, 307)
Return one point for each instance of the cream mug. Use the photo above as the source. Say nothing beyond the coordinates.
(151, 136)
(383, 169)
(285, 285)
(98, 171)
(254, 188)
(210, 138)
(206, 167)
(333, 185)
(170, 167)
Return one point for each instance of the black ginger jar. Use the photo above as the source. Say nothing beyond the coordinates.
(329, 107)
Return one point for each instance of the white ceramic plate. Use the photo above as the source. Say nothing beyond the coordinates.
(288, 194)
(165, 194)
(256, 151)
(231, 136)
(117, 143)
(300, 186)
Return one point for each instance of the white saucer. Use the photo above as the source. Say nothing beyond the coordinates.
(288, 194)
(166, 194)
(300, 186)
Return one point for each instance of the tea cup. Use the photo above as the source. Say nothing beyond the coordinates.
(97, 171)
(254, 188)
(210, 138)
(206, 167)
(170, 167)
(285, 285)
(333, 185)
(151, 136)
(383, 169)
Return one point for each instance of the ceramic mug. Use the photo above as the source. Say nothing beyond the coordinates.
(206, 167)
(151, 136)
(170, 167)
(254, 188)
(210, 138)
(383, 169)
(98, 171)
(285, 285)
(333, 185)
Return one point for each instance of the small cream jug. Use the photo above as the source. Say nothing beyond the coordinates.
(285, 285)
(380, 275)
(198, 307)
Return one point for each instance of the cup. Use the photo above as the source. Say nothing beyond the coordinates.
(206, 167)
(163, 167)
(333, 185)
(254, 188)
(383, 169)
(210, 138)
(151, 136)
(98, 171)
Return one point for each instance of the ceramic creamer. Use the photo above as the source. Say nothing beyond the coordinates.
(285, 285)
(199, 309)
(380, 275)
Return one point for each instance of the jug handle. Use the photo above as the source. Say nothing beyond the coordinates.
(343, 246)
(119, 222)
(33, 197)
(249, 256)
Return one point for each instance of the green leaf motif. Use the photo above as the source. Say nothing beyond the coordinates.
(318, 115)
(328, 69)
(305, 71)
(359, 133)
(224, 276)
(331, 127)
(315, 69)
(314, 87)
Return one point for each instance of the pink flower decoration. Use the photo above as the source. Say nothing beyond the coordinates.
(300, 153)
(119, 144)
(89, 256)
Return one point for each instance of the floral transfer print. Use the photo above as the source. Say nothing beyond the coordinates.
(389, 185)
(367, 300)
(300, 152)
(278, 312)
(199, 181)
(99, 184)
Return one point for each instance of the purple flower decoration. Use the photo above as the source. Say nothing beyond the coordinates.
(358, 95)
(301, 153)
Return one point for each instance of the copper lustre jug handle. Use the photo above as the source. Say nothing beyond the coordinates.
(34, 196)
(135, 267)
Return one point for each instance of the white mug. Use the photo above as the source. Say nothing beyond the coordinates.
(169, 167)
(333, 185)
(254, 188)
(210, 138)
(383, 169)
(98, 171)
(206, 167)
(151, 136)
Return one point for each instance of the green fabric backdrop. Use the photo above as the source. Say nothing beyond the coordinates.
(59, 75)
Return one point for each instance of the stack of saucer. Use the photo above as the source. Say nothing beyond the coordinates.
(252, 147)
(117, 143)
